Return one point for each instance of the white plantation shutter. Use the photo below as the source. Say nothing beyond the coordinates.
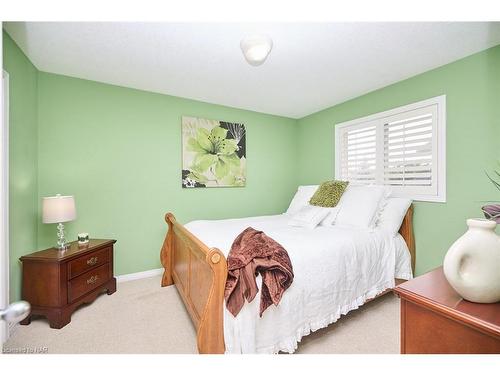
(358, 158)
(403, 148)
(410, 151)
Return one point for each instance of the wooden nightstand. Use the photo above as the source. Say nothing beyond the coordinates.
(435, 319)
(56, 282)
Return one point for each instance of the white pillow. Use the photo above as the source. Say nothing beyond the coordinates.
(330, 218)
(301, 199)
(309, 216)
(393, 213)
(360, 204)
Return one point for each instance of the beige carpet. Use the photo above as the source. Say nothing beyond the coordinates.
(142, 317)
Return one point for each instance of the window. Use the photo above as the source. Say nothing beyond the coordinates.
(404, 147)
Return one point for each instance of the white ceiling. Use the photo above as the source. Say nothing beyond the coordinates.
(312, 65)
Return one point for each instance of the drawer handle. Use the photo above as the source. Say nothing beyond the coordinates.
(93, 279)
(92, 261)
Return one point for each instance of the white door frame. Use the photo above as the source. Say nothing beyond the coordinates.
(4, 206)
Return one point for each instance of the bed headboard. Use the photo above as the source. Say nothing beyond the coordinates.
(406, 230)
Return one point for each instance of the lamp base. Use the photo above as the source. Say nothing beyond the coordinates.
(61, 241)
(62, 247)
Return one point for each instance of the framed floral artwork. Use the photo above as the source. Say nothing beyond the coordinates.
(213, 153)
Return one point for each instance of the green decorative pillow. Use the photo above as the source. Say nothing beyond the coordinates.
(329, 193)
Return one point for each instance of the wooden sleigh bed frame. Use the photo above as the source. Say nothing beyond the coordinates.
(199, 272)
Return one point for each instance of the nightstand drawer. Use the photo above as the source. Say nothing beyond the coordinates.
(88, 281)
(78, 266)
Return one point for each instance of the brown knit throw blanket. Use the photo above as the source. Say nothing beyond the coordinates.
(253, 252)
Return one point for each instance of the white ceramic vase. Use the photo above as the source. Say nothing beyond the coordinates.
(472, 264)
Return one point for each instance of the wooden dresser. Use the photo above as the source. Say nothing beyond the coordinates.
(435, 319)
(56, 282)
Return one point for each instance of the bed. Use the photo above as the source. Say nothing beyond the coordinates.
(194, 262)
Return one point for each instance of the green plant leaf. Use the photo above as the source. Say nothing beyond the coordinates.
(193, 175)
(495, 183)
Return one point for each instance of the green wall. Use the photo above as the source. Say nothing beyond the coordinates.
(22, 158)
(472, 88)
(118, 151)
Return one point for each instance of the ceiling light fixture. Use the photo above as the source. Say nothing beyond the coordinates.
(256, 48)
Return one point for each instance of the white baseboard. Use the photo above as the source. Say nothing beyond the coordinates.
(139, 275)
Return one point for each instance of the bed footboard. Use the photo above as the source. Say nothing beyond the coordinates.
(199, 273)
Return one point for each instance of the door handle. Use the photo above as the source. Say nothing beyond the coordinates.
(15, 312)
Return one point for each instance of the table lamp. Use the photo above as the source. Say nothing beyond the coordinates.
(59, 209)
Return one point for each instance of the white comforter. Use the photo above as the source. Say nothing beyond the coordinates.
(335, 270)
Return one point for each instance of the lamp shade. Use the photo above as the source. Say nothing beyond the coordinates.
(58, 209)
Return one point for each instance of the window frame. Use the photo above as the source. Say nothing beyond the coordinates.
(440, 152)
